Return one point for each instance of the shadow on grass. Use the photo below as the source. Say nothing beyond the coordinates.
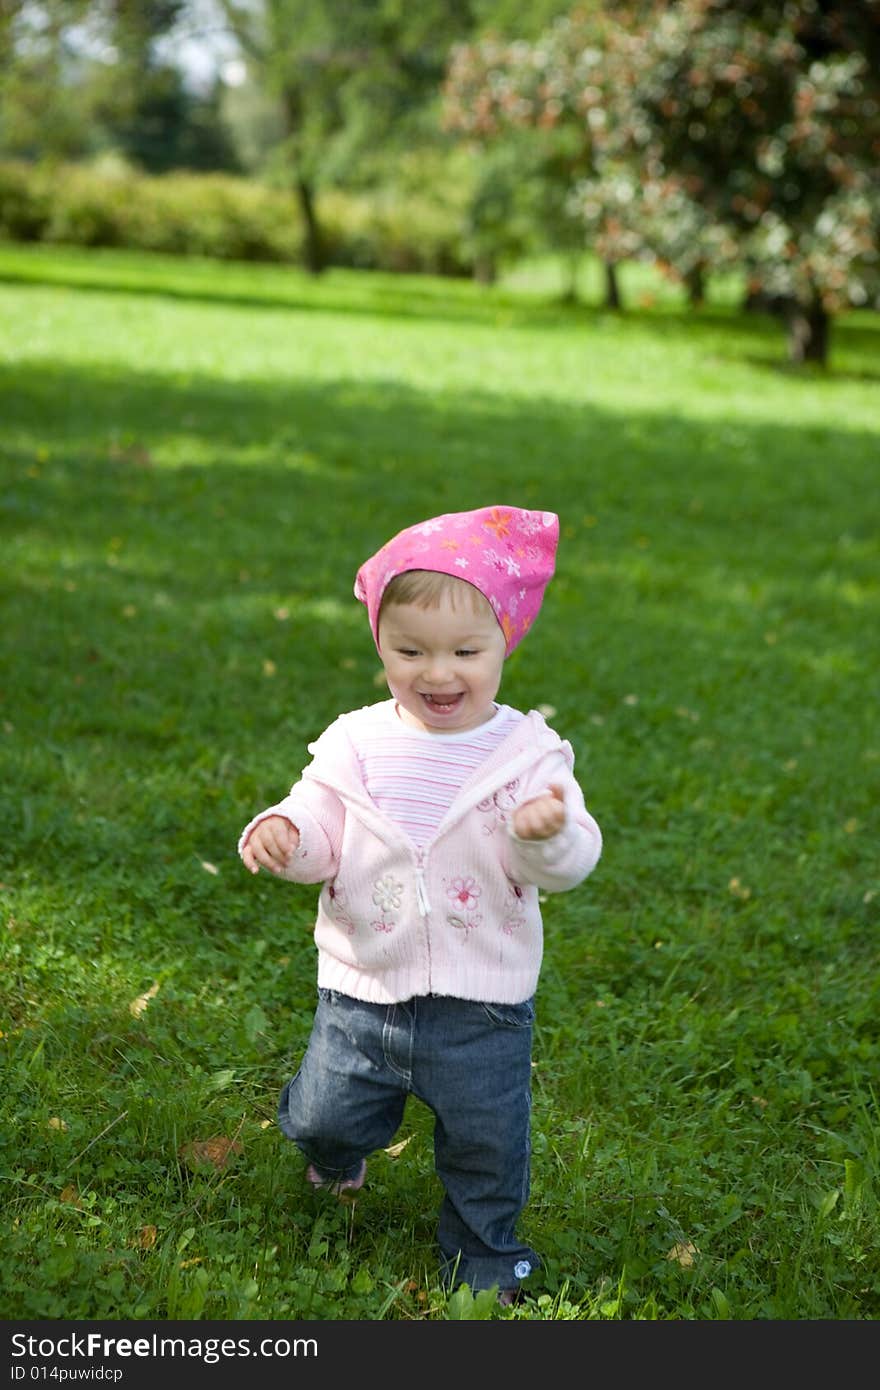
(180, 555)
(425, 298)
(374, 294)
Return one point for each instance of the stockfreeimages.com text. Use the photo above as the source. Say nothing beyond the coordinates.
(212, 1349)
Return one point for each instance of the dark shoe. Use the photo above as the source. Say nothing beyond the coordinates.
(342, 1186)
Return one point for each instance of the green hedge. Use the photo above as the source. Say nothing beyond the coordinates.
(229, 218)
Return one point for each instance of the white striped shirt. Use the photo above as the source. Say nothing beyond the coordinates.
(414, 776)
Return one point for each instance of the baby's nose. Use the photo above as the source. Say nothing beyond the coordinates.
(439, 669)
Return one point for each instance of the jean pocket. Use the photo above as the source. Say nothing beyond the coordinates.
(512, 1015)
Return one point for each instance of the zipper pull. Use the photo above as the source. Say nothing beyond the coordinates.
(421, 894)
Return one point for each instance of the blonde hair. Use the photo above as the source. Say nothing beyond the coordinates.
(428, 588)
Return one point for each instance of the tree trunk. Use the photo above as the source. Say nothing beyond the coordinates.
(807, 329)
(485, 268)
(315, 257)
(694, 282)
(612, 288)
(570, 292)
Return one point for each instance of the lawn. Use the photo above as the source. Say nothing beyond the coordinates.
(195, 460)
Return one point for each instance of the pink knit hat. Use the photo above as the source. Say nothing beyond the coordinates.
(506, 553)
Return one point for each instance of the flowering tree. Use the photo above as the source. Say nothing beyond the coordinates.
(710, 132)
(768, 116)
(550, 99)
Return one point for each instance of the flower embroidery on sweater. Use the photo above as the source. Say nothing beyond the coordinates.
(516, 911)
(463, 892)
(387, 892)
(466, 924)
(339, 908)
(464, 898)
(497, 807)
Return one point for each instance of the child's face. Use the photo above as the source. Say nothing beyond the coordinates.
(443, 664)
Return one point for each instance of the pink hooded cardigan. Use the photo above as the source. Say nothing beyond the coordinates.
(458, 917)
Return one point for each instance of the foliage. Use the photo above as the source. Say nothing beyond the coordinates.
(541, 94)
(196, 456)
(708, 133)
(392, 228)
(42, 109)
(78, 79)
(344, 77)
(771, 121)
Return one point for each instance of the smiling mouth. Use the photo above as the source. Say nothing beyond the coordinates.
(442, 702)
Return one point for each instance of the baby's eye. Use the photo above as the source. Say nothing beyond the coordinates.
(467, 651)
(407, 651)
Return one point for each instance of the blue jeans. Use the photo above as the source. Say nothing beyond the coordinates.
(471, 1064)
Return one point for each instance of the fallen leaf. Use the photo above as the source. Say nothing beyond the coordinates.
(133, 452)
(209, 868)
(137, 1006)
(395, 1150)
(57, 1123)
(146, 1237)
(739, 890)
(214, 1153)
(269, 668)
(69, 1196)
(682, 1253)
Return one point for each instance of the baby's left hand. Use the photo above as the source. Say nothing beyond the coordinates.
(541, 818)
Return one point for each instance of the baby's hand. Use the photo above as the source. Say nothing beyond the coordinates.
(270, 843)
(541, 818)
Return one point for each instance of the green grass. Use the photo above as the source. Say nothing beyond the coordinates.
(195, 460)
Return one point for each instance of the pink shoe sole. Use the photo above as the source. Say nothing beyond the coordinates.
(339, 1188)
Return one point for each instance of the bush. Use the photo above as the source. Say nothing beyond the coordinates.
(392, 230)
(25, 203)
(229, 218)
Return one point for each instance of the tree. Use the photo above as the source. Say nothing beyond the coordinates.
(768, 117)
(41, 110)
(77, 78)
(711, 131)
(558, 89)
(345, 77)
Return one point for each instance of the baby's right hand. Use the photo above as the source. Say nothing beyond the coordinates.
(270, 844)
